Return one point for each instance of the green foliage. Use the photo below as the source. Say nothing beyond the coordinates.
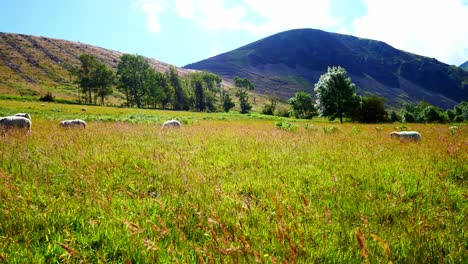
(372, 110)
(132, 71)
(182, 100)
(423, 113)
(204, 85)
(243, 86)
(286, 126)
(48, 97)
(269, 108)
(302, 106)
(228, 104)
(336, 95)
(330, 130)
(461, 112)
(159, 91)
(95, 79)
(394, 117)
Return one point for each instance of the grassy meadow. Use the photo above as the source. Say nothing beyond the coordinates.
(228, 188)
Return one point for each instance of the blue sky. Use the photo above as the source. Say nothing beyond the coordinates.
(185, 31)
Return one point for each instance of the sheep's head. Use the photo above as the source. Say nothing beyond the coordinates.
(394, 134)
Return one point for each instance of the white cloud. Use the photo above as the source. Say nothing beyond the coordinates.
(258, 17)
(434, 28)
(152, 10)
(283, 15)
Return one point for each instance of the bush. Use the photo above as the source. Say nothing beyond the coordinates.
(394, 117)
(286, 126)
(408, 118)
(330, 129)
(268, 109)
(48, 97)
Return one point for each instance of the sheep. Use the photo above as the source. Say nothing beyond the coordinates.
(26, 115)
(171, 123)
(10, 122)
(453, 128)
(73, 123)
(83, 109)
(407, 135)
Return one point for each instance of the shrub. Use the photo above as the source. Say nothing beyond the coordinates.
(286, 126)
(48, 97)
(330, 129)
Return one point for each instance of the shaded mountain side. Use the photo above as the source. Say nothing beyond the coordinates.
(31, 65)
(293, 61)
(464, 66)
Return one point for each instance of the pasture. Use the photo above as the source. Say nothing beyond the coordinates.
(228, 188)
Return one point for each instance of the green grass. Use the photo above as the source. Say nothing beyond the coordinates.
(228, 188)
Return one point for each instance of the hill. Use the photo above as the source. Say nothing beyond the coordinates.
(293, 61)
(464, 66)
(31, 65)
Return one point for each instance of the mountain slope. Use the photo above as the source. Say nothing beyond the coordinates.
(31, 65)
(293, 61)
(464, 66)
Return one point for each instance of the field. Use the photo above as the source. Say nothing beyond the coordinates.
(228, 188)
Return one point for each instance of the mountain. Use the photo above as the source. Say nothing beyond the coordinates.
(464, 66)
(293, 61)
(31, 65)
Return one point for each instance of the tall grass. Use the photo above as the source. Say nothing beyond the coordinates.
(229, 189)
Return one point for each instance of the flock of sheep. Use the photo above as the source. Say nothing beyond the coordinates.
(23, 121)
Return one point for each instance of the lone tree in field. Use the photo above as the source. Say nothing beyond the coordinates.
(336, 94)
(243, 86)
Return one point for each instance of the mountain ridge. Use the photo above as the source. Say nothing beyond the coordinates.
(464, 66)
(292, 61)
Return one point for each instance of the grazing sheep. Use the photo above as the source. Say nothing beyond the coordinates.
(407, 135)
(453, 128)
(171, 123)
(26, 115)
(73, 123)
(83, 109)
(10, 122)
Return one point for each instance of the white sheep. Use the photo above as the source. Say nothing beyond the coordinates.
(171, 123)
(407, 135)
(453, 128)
(26, 115)
(73, 123)
(9, 122)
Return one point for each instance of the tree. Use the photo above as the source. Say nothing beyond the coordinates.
(181, 97)
(228, 104)
(103, 79)
(373, 110)
(269, 109)
(132, 71)
(336, 94)
(243, 86)
(302, 106)
(158, 89)
(394, 117)
(94, 78)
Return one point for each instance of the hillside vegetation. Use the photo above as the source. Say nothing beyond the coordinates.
(293, 61)
(228, 188)
(33, 66)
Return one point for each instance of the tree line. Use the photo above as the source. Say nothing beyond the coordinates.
(335, 94)
(144, 87)
(336, 97)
